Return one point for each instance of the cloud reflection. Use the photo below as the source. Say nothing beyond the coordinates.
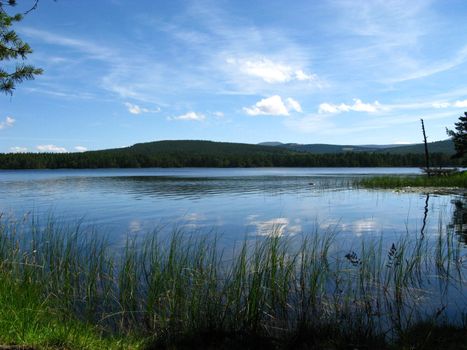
(274, 227)
(356, 227)
(135, 226)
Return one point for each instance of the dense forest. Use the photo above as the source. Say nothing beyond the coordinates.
(214, 154)
(446, 146)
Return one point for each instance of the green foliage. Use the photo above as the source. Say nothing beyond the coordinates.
(167, 154)
(459, 136)
(31, 320)
(445, 146)
(12, 48)
(454, 180)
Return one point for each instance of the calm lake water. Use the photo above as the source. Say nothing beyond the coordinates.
(236, 204)
(232, 202)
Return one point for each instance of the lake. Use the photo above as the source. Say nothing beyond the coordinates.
(251, 204)
(234, 203)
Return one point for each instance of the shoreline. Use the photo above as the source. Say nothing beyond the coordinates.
(430, 190)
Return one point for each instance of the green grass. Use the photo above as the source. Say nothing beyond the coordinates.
(30, 318)
(456, 180)
(65, 287)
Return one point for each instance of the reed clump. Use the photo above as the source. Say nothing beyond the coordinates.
(178, 290)
(458, 180)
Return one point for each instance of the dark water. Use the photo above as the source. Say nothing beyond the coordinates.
(231, 202)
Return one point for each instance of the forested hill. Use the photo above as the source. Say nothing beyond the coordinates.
(445, 146)
(213, 154)
(199, 147)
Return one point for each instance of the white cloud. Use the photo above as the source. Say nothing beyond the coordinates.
(441, 104)
(81, 148)
(269, 71)
(458, 104)
(135, 109)
(268, 106)
(92, 49)
(324, 124)
(273, 105)
(461, 104)
(386, 43)
(17, 149)
(330, 108)
(431, 68)
(262, 58)
(302, 76)
(7, 123)
(190, 116)
(357, 106)
(219, 114)
(294, 105)
(51, 148)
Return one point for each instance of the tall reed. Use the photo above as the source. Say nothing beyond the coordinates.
(396, 181)
(164, 285)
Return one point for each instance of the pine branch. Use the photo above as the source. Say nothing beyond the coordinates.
(13, 48)
(8, 81)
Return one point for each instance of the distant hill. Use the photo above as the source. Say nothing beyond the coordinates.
(190, 153)
(198, 147)
(211, 147)
(445, 146)
(321, 148)
(270, 143)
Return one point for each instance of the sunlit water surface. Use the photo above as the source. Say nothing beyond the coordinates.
(239, 204)
(231, 202)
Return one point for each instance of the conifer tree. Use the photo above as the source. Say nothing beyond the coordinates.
(459, 136)
(13, 50)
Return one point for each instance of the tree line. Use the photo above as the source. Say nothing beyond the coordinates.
(106, 159)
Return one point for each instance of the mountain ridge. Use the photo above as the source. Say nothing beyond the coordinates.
(445, 146)
(198, 153)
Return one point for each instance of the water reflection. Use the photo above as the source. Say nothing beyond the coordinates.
(239, 207)
(425, 216)
(275, 227)
(201, 187)
(232, 205)
(171, 187)
(459, 218)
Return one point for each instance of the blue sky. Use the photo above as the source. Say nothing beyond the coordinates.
(119, 72)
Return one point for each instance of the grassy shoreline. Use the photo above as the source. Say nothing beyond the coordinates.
(64, 287)
(449, 182)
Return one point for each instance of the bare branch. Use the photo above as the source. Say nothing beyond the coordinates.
(32, 8)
